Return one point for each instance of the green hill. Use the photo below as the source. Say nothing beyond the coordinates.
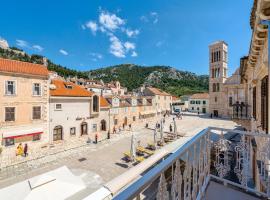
(131, 76)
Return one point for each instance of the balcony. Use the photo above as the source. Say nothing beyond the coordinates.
(216, 163)
(241, 111)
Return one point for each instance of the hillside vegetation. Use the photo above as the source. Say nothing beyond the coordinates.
(131, 76)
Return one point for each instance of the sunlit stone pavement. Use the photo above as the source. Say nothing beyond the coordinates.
(99, 163)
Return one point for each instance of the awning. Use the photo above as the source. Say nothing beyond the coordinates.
(22, 133)
(148, 112)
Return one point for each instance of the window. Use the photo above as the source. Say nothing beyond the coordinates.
(230, 101)
(192, 108)
(94, 127)
(36, 89)
(198, 108)
(72, 131)
(134, 118)
(217, 87)
(204, 102)
(36, 137)
(10, 88)
(9, 114)
(215, 99)
(115, 121)
(95, 104)
(36, 112)
(214, 87)
(9, 141)
(254, 104)
(198, 102)
(58, 106)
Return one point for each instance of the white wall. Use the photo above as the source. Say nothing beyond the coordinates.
(198, 106)
(71, 109)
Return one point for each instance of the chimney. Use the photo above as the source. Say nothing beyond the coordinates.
(45, 61)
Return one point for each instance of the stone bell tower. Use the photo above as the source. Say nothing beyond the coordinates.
(218, 72)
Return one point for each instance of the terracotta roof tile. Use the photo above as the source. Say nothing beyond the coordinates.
(14, 66)
(157, 91)
(200, 96)
(103, 102)
(61, 89)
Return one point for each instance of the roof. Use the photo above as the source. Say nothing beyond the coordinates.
(200, 96)
(60, 183)
(175, 98)
(104, 102)
(61, 89)
(157, 91)
(19, 67)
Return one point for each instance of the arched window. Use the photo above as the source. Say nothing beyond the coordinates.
(95, 104)
(214, 87)
(217, 87)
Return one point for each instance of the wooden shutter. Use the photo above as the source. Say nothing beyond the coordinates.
(264, 104)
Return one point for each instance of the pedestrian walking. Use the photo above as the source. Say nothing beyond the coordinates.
(25, 150)
(129, 127)
(170, 127)
(114, 130)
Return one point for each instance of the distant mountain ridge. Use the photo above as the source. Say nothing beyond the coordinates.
(164, 77)
(131, 76)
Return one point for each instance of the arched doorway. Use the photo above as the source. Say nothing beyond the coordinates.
(84, 128)
(103, 125)
(58, 133)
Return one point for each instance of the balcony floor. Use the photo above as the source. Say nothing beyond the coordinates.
(221, 192)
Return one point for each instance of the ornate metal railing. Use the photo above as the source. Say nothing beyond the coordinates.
(234, 157)
(241, 111)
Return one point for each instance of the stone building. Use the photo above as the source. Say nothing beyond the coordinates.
(199, 103)
(226, 94)
(24, 97)
(162, 101)
(70, 111)
(255, 70)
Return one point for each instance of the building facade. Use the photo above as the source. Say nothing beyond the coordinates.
(199, 103)
(24, 96)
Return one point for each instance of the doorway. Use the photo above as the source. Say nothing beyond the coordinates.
(203, 110)
(58, 133)
(215, 113)
(84, 128)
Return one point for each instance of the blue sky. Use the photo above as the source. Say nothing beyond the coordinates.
(89, 34)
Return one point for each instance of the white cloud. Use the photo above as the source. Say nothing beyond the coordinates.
(22, 43)
(96, 56)
(38, 47)
(144, 18)
(116, 47)
(134, 54)
(110, 21)
(62, 51)
(112, 26)
(83, 27)
(92, 26)
(132, 33)
(159, 43)
(129, 46)
(25, 44)
(152, 16)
